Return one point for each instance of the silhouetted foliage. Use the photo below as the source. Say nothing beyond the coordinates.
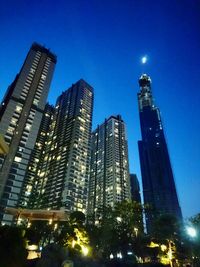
(120, 229)
(166, 226)
(12, 247)
(39, 232)
(52, 256)
(77, 217)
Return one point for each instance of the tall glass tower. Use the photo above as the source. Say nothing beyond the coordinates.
(21, 112)
(135, 188)
(157, 177)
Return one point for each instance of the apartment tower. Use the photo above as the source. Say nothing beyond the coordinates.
(62, 152)
(20, 116)
(109, 174)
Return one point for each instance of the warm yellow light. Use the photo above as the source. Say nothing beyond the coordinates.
(17, 159)
(32, 247)
(80, 240)
(163, 247)
(85, 250)
(73, 243)
(136, 231)
(19, 220)
(169, 254)
(33, 255)
(153, 245)
(164, 260)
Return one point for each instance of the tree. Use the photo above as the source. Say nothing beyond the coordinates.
(40, 233)
(77, 217)
(52, 256)
(120, 229)
(195, 220)
(94, 234)
(12, 247)
(165, 227)
(73, 234)
(167, 232)
(195, 241)
(129, 225)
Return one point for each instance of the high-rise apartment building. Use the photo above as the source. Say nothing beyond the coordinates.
(135, 188)
(20, 116)
(60, 164)
(33, 182)
(109, 174)
(158, 181)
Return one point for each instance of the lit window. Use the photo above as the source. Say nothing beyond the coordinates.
(43, 77)
(35, 102)
(18, 108)
(17, 159)
(28, 127)
(32, 71)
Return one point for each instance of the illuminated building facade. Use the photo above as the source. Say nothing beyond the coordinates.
(109, 174)
(62, 170)
(33, 182)
(20, 116)
(158, 182)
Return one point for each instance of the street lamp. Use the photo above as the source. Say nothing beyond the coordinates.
(119, 219)
(136, 231)
(191, 231)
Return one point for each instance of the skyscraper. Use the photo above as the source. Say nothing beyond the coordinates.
(109, 174)
(158, 182)
(20, 116)
(135, 188)
(33, 182)
(61, 158)
(136, 198)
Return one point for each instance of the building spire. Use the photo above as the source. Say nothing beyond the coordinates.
(145, 95)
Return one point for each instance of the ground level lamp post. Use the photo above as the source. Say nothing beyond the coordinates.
(192, 233)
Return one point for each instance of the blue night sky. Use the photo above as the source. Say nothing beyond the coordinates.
(102, 42)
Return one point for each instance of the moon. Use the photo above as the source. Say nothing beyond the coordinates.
(144, 60)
